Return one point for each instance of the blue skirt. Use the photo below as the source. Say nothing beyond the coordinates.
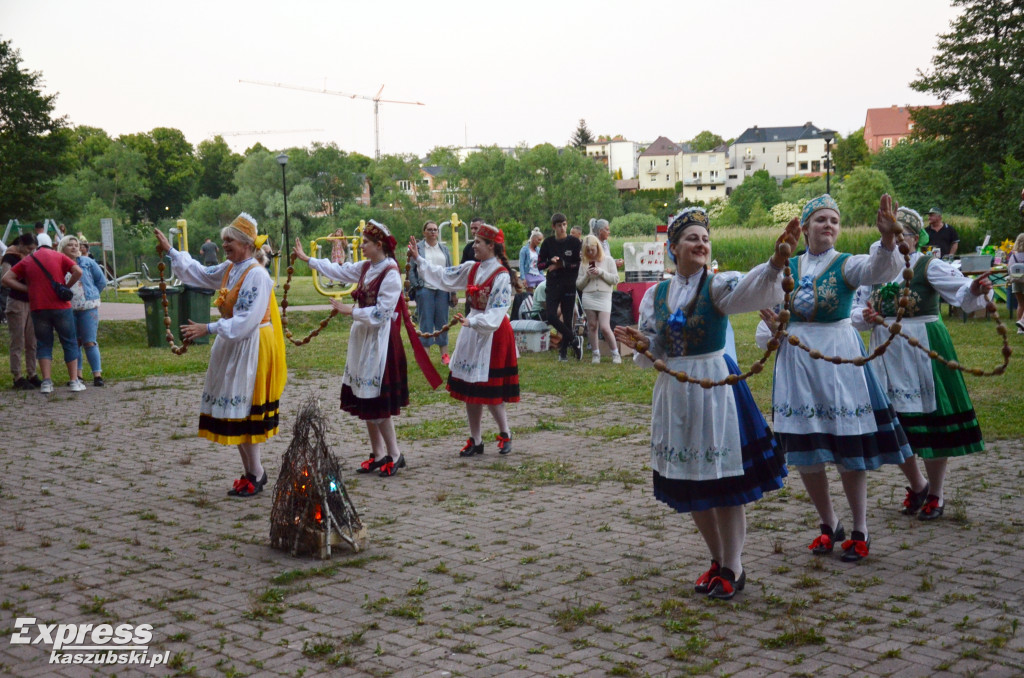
(764, 465)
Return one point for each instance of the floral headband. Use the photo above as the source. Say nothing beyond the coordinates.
(492, 233)
(822, 202)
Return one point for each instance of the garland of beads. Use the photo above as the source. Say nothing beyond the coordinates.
(284, 310)
(456, 319)
(185, 343)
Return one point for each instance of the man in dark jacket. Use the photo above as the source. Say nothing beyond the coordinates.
(560, 256)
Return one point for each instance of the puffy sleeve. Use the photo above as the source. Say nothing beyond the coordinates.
(447, 278)
(860, 304)
(191, 272)
(880, 266)
(251, 306)
(387, 299)
(497, 306)
(346, 273)
(734, 292)
(647, 325)
(954, 287)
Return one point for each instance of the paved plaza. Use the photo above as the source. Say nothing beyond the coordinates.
(554, 561)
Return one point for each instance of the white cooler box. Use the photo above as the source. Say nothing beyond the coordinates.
(532, 336)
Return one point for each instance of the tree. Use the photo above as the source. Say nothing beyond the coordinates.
(706, 141)
(919, 175)
(858, 199)
(31, 151)
(979, 71)
(997, 202)
(217, 165)
(582, 136)
(758, 187)
(172, 172)
(849, 152)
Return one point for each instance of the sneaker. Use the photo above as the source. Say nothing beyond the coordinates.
(98, 381)
(616, 359)
(35, 380)
(1020, 324)
(77, 386)
(445, 358)
(562, 358)
(914, 501)
(46, 387)
(596, 359)
(1020, 331)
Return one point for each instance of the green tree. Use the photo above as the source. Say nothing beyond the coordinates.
(998, 201)
(217, 165)
(706, 141)
(919, 175)
(758, 187)
(31, 151)
(635, 223)
(172, 172)
(978, 69)
(758, 216)
(582, 136)
(850, 152)
(858, 199)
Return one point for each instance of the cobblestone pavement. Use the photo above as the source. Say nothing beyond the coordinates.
(554, 561)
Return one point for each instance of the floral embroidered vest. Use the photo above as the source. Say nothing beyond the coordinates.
(923, 298)
(477, 295)
(833, 297)
(366, 294)
(227, 298)
(702, 332)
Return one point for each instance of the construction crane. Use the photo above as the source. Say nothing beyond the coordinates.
(377, 101)
(264, 131)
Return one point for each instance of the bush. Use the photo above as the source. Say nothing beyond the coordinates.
(858, 199)
(516, 234)
(635, 224)
(785, 212)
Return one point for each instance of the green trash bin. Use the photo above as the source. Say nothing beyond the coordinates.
(156, 335)
(195, 306)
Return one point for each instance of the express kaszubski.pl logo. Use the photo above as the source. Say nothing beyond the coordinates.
(90, 643)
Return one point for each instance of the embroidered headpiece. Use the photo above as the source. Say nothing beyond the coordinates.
(822, 202)
(912, 224)
(246, 225)
(688, 217)
(379, 231)
(492, 233)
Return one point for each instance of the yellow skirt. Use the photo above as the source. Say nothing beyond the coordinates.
(262, 422)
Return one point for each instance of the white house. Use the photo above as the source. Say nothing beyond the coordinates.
(704, 173)
(659, 165)
(783, 151)
(616, 154)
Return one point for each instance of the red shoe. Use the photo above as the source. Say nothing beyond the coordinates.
(445, 358)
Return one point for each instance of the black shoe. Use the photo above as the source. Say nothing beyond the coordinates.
(855, 548)
(562, 357)
(914, 501)
(23, 384)
(931, 509)
(469, 449)
(504, 443)
(35, 381)
(390, 466)
(703, 583)
(261, 483)
(98, 381)
(247, 486)
(725, 585)
(370, 465)
(824, 544)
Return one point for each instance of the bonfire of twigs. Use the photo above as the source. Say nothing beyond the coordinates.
(312, 510)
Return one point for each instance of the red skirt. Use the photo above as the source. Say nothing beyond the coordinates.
(394, 387)
(502, 385)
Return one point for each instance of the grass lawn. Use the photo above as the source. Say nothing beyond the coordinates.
(581, 388)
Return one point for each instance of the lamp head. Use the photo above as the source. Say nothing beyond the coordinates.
(282, 159)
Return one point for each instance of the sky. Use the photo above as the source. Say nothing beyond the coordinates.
(504, 73)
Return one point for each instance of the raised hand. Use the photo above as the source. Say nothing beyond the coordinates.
(413, 252)
(885, 221)
(299, 252)
(162, 244)
(786, 243)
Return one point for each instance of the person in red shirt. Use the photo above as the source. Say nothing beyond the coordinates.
(49, 313)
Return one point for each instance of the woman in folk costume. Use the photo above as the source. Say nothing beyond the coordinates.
(711, 449)
(484, 368)
(931, 399)
(247, 372)
(375, 385)
(835, 414)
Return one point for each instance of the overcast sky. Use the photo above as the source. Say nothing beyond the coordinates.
(489, 72)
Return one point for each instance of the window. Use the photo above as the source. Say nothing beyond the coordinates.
(666, 162)
(802, 148)
(714, 188)
(700, 188)
(694, 175)
(887, 142)
(666, 177)
(803, 165)
(405, 185)
(815, 165)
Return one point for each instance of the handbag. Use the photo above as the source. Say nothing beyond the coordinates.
(62, 291)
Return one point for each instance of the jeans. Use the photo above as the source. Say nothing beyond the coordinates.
(23, 337)
(61, 321)
(432, 314)
(86, 324)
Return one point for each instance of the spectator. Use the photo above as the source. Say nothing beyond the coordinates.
(596, 281)
(941, 235)
(576, 232)
(467, 251)
(19, 317)
(86, 306)
(432, 304)
(560, 257)
(1017, 257)
(528, 260)
(209, 252)
(50, 314)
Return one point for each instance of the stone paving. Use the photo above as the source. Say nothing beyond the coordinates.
(554, 561)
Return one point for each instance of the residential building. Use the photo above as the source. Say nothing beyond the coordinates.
(886, 127)
(616, 154)
(704, 173)
(659, 165)
(783, 151)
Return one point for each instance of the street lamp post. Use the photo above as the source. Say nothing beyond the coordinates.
(282, 160)
(828, 135)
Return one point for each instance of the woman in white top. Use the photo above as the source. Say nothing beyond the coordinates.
(484, 366)
(432, 304)
(596, 281)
